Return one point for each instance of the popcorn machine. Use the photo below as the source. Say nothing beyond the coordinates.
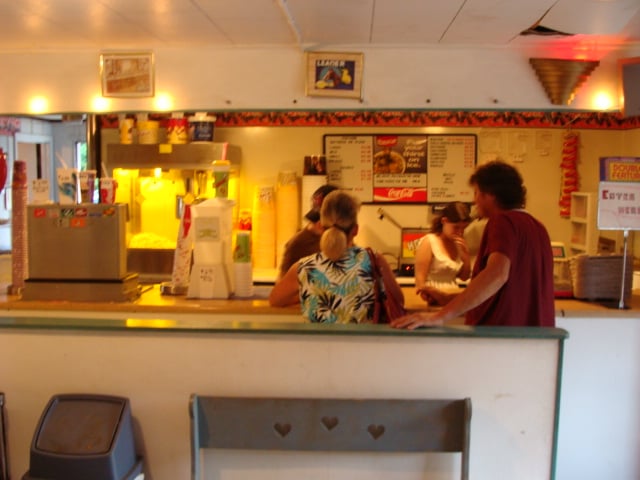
(155, 181)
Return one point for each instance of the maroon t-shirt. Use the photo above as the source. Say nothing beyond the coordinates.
(526, 299)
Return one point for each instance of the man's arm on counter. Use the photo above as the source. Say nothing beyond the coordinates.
(480, 288)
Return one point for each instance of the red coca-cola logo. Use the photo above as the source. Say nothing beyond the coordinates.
(400, 193)
(387, 141)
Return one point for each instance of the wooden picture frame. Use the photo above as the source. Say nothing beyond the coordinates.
(127, 74)
(334, 74)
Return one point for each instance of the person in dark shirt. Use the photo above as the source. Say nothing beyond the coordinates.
(306, 241)
(512, 278)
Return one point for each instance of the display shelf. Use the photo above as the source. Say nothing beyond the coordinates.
(584, 232)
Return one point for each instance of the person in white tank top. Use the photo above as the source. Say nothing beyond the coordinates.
(442, 255)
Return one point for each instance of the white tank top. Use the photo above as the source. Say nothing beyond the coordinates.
(443, 270)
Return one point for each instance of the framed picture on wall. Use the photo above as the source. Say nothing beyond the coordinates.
(334, 74)
(127, 74)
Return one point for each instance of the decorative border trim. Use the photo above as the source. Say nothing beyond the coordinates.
(414, 118)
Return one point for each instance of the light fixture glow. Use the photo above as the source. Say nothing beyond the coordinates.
(163, 102)
(38, 104)
(602, 101)
(100, 103)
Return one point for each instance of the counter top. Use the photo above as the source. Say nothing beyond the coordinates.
(151, 301)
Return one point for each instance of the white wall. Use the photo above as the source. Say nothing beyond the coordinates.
(598, 435)
(274, 78)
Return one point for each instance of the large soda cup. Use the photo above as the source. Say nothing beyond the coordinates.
(108, 190)
(68, 185)
(87, 185)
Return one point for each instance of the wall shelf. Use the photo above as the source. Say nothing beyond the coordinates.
(584, 232)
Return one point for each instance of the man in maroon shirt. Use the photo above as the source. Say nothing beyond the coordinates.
(512, 279)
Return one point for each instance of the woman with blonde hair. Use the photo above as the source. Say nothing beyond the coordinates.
(335, 285)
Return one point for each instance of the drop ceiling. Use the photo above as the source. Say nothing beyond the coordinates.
(40, 25)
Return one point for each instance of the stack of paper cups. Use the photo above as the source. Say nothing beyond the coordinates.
(182, 256)
(287, 209)
(19, 244)
(264, 227)
(242, 267)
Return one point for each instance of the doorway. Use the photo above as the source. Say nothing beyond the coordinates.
(37, 152)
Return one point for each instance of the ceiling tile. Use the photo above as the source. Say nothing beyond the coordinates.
(413, 21)
(494, 22)
(595, 17)
(322, 22)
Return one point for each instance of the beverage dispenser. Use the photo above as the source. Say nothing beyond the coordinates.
(212, 269)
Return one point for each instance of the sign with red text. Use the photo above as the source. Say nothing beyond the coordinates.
(619, 206)
(620, 169)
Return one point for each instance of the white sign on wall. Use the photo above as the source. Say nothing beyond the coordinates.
(619, 206)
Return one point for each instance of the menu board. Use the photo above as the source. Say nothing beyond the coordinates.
(452, 160)
(413, 168)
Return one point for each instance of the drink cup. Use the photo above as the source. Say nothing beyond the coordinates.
(148, 131)
(126, 131)
(221, 171)
(68, 185)
(242, 252)
(87, 185)
(108, 190)
(178, 130)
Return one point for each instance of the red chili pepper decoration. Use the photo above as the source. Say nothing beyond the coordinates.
(569, 172)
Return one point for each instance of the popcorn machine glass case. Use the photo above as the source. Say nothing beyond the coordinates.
(155, 181)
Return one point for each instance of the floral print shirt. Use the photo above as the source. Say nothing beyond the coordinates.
(337, 292)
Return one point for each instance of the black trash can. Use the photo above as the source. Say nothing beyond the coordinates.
(82, 436)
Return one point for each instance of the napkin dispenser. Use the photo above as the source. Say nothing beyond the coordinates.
(76, 242)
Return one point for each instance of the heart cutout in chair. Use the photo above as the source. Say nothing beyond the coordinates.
(283, 429)
(376, 431)
(329, 422)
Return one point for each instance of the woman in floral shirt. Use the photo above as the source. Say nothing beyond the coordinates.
(336, 284)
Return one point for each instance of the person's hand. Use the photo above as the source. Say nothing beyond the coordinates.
(462, 247)
(415, 320)
(432, 295)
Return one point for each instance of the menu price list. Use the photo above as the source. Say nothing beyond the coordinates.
(402, 168)
(452, 160)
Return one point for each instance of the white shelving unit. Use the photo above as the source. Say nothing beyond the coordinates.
(584, 217)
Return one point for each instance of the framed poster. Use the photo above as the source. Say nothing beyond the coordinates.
(412, 168)
(127, 74)
(334, 74)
